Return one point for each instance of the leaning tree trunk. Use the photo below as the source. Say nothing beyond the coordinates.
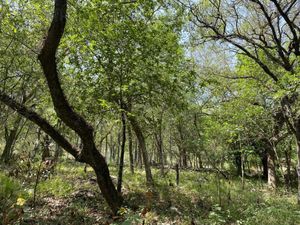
(97, 162)
(88, 154)
(72, 119)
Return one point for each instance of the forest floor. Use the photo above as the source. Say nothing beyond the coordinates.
(71, 196)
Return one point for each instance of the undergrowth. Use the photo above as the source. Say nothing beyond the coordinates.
(71, 196)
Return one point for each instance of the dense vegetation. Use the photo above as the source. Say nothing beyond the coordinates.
(150, 112)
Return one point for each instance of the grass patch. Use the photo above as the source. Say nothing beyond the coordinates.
(56, 186)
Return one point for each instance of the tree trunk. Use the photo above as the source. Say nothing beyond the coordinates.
(121, 163)
(10, 139)
(287, 154)
(140, 157)
(159, 143)
(130, 150)
(112, 197)
(89, 154)
(57, 153)
(272, 182)
(183, 158)
(177, 174)
(118, 149)
(199, 157)
(170, 150)
(141, 139)
(106, 147)
(111, 149)
(182, 148)
(46, 148)
(136, 153)
(159, 146)
(264, 162)
(238, 162)
(294, 125)
(36, 144)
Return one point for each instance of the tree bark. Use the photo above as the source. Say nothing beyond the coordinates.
(142, 145)
(130, 150)
(121, 162)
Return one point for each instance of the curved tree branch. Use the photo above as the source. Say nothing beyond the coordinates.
(41, 122)
(72, 119)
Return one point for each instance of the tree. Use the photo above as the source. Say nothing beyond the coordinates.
(89, 153)
(129, 57)
(268, 34)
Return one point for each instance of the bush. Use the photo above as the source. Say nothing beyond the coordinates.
(12, 200)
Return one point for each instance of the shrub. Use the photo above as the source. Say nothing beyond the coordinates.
(12, 200)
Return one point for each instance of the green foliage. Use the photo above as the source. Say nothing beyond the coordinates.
(10, 190)
(12, 200)
(133, 52)
(279, 213)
